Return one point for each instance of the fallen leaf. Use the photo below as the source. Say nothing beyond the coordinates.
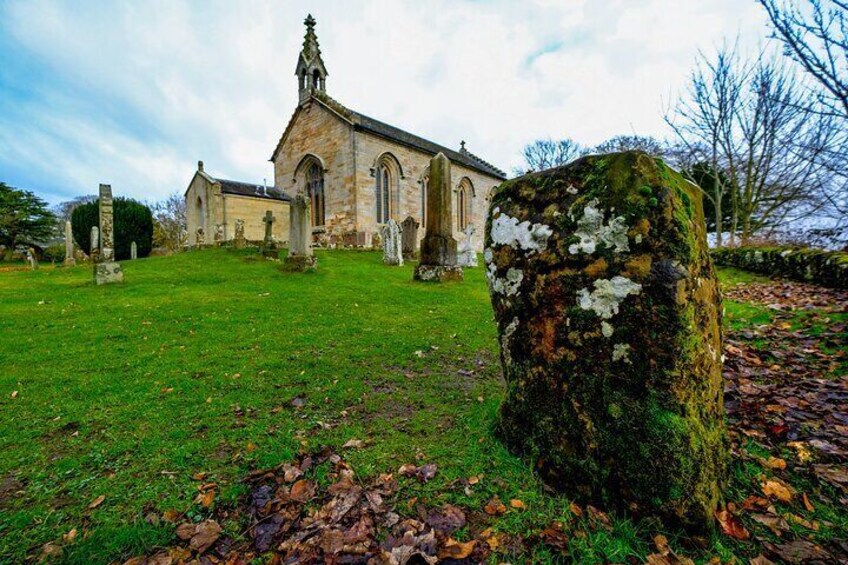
(14, 394)
(761, 560)
(494, 507)
(205, 499)
(515, 503)
(171, 516)
(575, 509)
(302, 490)
(774, 489)
(807, 504)
(555, 537)
(97, 502)
(730, 525)
(456, 549)
(206, 533)
(353, 444)
(776, 463)
(799, 551)
(773, 522)
(70, 536)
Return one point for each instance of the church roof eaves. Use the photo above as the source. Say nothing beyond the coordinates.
(392, 133)
(239, 188)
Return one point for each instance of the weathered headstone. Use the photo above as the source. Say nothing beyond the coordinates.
(466, 255)
(70, 261)
(95, 244)
(269, 246)
(300, 257)
(239, 241)
(438, 249)
(106, 270)
(219, 234)
(409, 237)
(133, 251)
(608, 314)
(199, 238)
(32, 259)
(392, 251)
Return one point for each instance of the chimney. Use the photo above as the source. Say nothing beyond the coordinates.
(200, 166)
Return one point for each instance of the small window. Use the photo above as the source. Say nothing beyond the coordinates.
(383, 194)
(464, 194)
(315, 190)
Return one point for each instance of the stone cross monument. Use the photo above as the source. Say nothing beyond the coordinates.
(466, 256)
(392, 251)
(106, 270)
(438, 249)
(32, 259)
(300, 257)
(269, 246)
(409, 237)
(69, 245)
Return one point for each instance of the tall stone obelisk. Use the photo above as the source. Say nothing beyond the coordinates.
(438, 249)
(106, 270)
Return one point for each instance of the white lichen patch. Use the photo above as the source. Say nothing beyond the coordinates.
(487, 255)
(507, 230)
(608, 294)
(506, 286)
(592, 231)
(606, 329)
(571, 189)
(505, 337)
(621, 352)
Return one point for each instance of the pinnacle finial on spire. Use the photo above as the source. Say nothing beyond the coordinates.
(310, 40)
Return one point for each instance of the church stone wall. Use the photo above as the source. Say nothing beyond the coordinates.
(319, 132)
(252, 210)
(413, 164)
(202, 216)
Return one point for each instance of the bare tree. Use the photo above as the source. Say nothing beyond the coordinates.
(546, 153)
(169, 225)
(649, 145)
(749, 121)
(817, 38)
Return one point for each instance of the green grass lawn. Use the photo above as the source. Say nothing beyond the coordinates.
(191, 366)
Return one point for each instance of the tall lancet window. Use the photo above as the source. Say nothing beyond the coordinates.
(464, 195)
(315, 190)
(383, 194)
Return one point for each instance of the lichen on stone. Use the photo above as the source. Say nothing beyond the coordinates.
(606, 329)
(508, 285)
(621, 352)
(608, 294)
(592, 231)
(507, 230)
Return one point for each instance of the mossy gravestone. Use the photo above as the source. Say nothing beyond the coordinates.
(608, 313)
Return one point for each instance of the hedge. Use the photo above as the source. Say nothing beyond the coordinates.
(827, 268)
(133, 222)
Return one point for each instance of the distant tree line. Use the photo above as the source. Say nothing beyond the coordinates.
(764, 137)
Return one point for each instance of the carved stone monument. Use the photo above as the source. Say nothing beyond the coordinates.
(392, 251)
(133, 251)
(199, 238)
(219, 234)
(300, 257)
(95, 244)
(438, 249)
(106, 270)
(239, 242)
(32, 259)
(466, 256)
(269, 246)
(409, 237)
(69, 245)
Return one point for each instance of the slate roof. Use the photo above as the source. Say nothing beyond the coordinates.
(252, 190)
(362, 122)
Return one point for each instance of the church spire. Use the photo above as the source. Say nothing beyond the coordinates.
(310, 71)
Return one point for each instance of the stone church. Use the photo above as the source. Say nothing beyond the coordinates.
(359, 172)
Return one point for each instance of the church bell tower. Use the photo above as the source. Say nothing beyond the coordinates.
(310, 71)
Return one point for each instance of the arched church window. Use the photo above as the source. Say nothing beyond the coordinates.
(199, 209)
(425, 180)
(316, 78)
(464, 195)
(315, 190)
(384, 189)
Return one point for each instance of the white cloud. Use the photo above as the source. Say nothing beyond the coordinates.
(145, 89)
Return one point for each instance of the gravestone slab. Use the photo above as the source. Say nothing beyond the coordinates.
(239, 241)
(438, 249)
(609, 317)
(466, 256)
(199, 238)
(95, 243)
(409, 237)
(70, 261)
(106, 269)
(219, 234)
(392, 250)
(32, 259)
(300, 257)
(133, 251)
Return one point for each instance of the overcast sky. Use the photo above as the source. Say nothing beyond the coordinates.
(134, 93)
